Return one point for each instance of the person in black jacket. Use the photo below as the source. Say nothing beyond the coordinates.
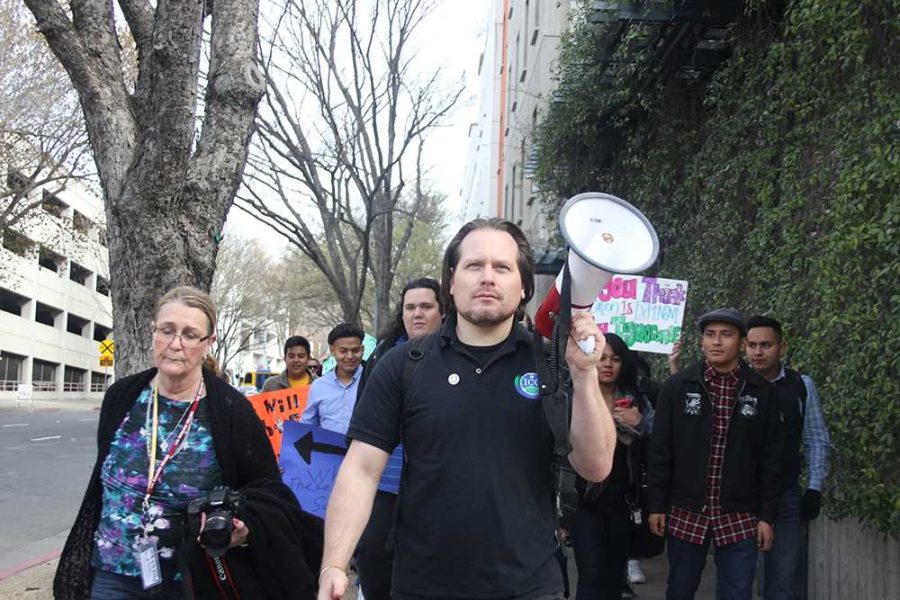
(419, 312)
(603, 527)
(715, 462)
(167, 436)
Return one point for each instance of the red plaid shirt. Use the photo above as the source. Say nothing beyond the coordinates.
(727, 528)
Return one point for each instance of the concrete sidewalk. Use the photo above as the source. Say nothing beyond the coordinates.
(36, 583)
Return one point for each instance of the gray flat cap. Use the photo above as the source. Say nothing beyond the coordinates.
(724, 315)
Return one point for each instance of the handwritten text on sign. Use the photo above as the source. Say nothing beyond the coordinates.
(646, 312)
(275, 408)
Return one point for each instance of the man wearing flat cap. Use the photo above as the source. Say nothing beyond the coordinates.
(715, 461)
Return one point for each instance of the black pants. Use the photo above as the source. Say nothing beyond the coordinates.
(373, 561)
(601, 539)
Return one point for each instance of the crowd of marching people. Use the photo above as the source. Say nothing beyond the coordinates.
(186, 499)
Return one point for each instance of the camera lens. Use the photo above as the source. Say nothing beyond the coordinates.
(216, 534)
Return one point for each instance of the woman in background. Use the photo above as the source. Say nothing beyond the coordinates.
(603, 527)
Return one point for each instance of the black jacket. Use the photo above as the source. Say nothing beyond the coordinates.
(285, 546)
(679, 446)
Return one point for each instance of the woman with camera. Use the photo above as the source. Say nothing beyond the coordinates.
(603, 526)
(185, 499)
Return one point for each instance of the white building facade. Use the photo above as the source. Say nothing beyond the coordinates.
(517, 83)
(55, 305)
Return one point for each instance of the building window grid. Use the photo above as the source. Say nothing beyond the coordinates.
(10, 371)
(73, 379)
(43, 375)
(99, 381)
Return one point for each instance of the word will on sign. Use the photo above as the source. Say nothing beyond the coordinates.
(277, 407)
(646, 312)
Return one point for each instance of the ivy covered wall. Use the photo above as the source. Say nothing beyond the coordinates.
(774, 185)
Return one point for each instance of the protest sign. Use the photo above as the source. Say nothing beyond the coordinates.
(276, 407)
(310, 459)
(646, 312)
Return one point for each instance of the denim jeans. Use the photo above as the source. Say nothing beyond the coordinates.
(111, 586)
(601, 540)
(781, 565)
(735, 568)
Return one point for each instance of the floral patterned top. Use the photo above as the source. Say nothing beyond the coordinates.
(192, 471)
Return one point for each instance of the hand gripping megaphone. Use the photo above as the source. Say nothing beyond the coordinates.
(605, 235)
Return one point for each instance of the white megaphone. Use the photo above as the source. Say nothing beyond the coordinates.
(605, 235)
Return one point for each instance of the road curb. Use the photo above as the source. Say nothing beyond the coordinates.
(24, 566)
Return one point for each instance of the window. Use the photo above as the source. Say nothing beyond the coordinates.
(73, 379)
(101, 333)
(49, 259)
(78, 274)
(99, 381)
(10, 371)
(81, 223)
(17, 243)
(102, 285)
(16, 181)
(46, 314)
(43, 375)
(77, 325)
(53, 205)
(12, 302)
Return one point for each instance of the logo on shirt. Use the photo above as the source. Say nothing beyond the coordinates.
(747, 406)
(692, 404)
(528, 385)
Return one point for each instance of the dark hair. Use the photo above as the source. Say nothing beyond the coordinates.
(345, 330)
(524, 260)
(297, 340)
(762, 321)
(642, 365)
(627, 381)
(396, 328)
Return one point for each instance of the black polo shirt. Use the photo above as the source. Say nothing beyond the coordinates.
(476, 511)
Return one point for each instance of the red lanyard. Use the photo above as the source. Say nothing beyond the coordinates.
(153, 477)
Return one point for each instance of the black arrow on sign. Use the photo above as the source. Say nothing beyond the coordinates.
(306, 446)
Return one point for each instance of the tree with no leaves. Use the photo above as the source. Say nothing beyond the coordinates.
(168, 174)
(42, 138)
(338, 154)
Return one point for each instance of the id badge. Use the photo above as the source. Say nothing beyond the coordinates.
(636, 516)
(148, 559)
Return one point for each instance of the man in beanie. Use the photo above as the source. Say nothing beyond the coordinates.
(715, 461)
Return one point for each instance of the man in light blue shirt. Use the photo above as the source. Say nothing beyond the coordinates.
(333, 395)
(805, 440)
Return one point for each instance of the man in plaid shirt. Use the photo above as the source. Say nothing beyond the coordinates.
(715, 463)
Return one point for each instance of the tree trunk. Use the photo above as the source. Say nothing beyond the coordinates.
(167, 187)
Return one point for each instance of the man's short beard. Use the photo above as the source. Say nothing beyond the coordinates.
(486, 318)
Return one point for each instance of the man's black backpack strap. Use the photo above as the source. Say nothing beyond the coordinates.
(416, 349)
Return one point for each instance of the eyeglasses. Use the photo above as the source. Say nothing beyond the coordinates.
(189, 339)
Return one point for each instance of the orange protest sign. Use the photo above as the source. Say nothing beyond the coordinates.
(274, 408)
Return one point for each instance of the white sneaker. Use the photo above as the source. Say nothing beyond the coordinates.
(635, 575)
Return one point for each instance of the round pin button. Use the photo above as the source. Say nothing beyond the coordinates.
(478, 370)
(453, 379)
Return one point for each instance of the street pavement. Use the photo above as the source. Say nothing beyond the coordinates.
(46, 455)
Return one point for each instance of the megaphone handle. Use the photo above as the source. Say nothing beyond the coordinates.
(587, 345)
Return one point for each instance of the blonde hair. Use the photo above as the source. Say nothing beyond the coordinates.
(193, 297)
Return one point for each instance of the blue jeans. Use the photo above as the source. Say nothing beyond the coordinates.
(601, 540)
(111, 586)
(781, 565)
(735, 568)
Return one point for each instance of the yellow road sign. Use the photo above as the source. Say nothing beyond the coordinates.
(106, 360)
(107, 348)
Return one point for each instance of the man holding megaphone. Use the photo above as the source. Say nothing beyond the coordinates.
(476, 505)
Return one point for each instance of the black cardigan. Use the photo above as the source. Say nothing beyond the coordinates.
(285, 544)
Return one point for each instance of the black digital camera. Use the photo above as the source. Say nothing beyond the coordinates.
(220, 505)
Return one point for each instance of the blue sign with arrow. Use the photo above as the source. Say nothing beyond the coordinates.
(310, 460)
